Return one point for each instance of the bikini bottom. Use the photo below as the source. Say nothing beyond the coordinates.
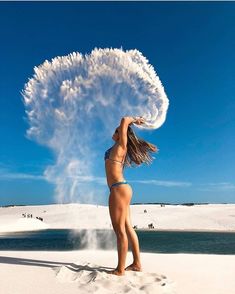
(117, 184)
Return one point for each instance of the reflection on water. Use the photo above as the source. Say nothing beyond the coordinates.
(150, 241)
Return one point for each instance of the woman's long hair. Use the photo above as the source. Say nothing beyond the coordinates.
(138, 150)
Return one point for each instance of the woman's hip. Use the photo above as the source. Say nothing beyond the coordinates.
(122, 191)
(116, 184)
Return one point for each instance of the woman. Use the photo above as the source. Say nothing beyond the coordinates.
(127, 150)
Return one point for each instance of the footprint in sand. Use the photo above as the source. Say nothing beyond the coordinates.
(91, 278)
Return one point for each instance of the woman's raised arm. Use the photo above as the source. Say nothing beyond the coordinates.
(125, 122)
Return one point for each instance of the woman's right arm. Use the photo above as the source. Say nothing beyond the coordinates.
(125, 122)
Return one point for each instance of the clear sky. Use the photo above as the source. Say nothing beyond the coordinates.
(192, 48)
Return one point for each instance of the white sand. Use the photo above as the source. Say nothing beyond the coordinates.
(24, 272)
(211, 217)
(70, 272)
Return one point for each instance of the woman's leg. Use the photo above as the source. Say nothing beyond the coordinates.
(134, 242)
(119, 200)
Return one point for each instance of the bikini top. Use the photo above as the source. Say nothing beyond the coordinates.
(107, 154)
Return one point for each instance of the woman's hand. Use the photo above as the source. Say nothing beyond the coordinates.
(139, 120)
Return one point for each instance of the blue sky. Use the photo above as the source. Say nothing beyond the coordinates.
(192, 48)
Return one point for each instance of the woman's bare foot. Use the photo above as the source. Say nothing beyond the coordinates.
(134, 267)
(117, 272)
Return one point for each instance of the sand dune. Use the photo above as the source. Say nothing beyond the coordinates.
(211, 217)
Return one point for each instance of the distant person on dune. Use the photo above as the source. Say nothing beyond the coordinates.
(127, 150)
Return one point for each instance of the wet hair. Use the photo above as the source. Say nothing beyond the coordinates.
(138, 150)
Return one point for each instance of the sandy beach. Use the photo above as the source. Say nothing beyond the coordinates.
(85, 271)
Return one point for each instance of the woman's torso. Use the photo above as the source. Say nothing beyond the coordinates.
(114, 163)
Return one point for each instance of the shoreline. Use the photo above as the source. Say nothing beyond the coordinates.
(107, 229)
(187, 230)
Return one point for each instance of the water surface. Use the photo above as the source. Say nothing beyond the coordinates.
(150, 241)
